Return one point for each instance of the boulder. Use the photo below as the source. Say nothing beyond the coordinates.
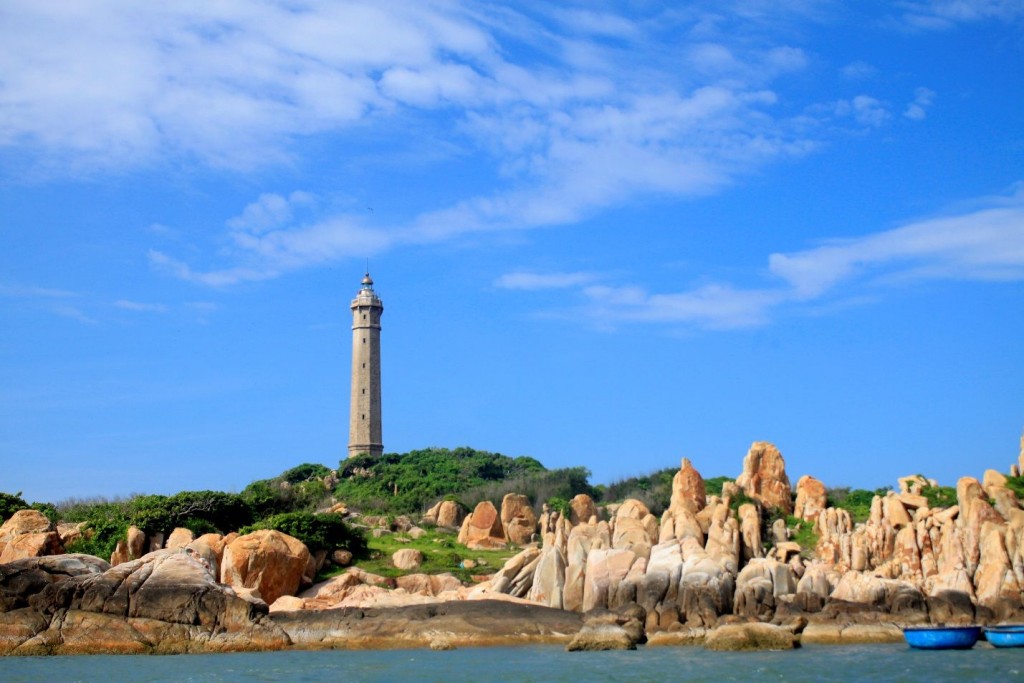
(407, 559)
(810, 498)
(31, 545)
(179, 538)
(449, 514)
(598, 637)
(28, 533)
(165, 602)
(736, 637)
(518, 520)
(267, 561)
(606, 568)
(750, 532)
(764, 477)
(211, 548)
(482, 528)
(688, 490)
(583, 509)
(22, 579)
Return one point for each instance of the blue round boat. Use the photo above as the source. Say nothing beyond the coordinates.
(942, 637)
(1005, 636)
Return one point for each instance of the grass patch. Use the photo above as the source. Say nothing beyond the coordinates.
(441, 553)
(803, 533)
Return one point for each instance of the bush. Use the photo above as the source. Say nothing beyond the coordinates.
(305, 472)
(855, 501)
(318, 532)
(11, 503)
(106, 523)
(939, 496)
(395, 483)
(654, 490)
(713, 486)
(1016, 484)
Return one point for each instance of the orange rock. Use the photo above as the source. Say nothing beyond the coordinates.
(810, 498)
(688, 490)
(268, 561)
(764, 477)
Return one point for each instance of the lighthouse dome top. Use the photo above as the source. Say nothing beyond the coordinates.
(367, 281)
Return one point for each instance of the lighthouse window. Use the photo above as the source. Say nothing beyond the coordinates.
(364, 340)
(364, 316)
(364, 391)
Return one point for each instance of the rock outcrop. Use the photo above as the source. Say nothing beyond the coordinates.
(518, 521)
(764, 477)
(165, 602)
(28, 533)
(482, 529)
(268, 562)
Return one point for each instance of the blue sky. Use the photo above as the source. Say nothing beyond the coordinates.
(606, 234)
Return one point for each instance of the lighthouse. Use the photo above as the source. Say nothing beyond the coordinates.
(364, 420)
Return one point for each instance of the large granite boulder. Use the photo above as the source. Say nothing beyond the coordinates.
(764, 477)
(21, 579)
(167, 601)
(734, 637)
(481, 529)
(407, 559)
(688, 490)
(267, 561)
(28, 533)
(518, 520)
(811, 498)
(131, 547)
(583, 508)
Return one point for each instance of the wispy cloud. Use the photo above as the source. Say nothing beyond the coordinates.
(946, 14)
(983, 244)
(17, 291)
(918, 109)
(535, 281)
(139, 307)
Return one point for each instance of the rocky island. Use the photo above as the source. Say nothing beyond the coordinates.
(763, 564)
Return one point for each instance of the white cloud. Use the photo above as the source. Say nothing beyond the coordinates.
(537, 281)
(917, 109)
(856, 71)
(984, 244)
(864, 109)
(140, 307)
(946, 14)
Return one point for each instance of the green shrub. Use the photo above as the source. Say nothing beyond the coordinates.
(395, 483)
(713, 486)
(305, 472)
(318, 532)
(106, 524)
(855, 501)
(653, 490)
(803, 533)
(11, 503)
(939, 496)
(1016, 484)
(561, 506)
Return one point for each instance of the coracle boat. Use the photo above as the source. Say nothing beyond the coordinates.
(1005, 636)
(942, 637)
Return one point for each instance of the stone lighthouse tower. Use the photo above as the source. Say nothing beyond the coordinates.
(364, 422)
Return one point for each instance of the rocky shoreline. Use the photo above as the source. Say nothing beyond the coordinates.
(615, 578)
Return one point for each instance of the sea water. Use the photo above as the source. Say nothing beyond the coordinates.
(884, 663)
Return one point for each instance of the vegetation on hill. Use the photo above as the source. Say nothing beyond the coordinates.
(407, 483)
(855, 501)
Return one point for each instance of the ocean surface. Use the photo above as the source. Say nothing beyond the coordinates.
(547, 663)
